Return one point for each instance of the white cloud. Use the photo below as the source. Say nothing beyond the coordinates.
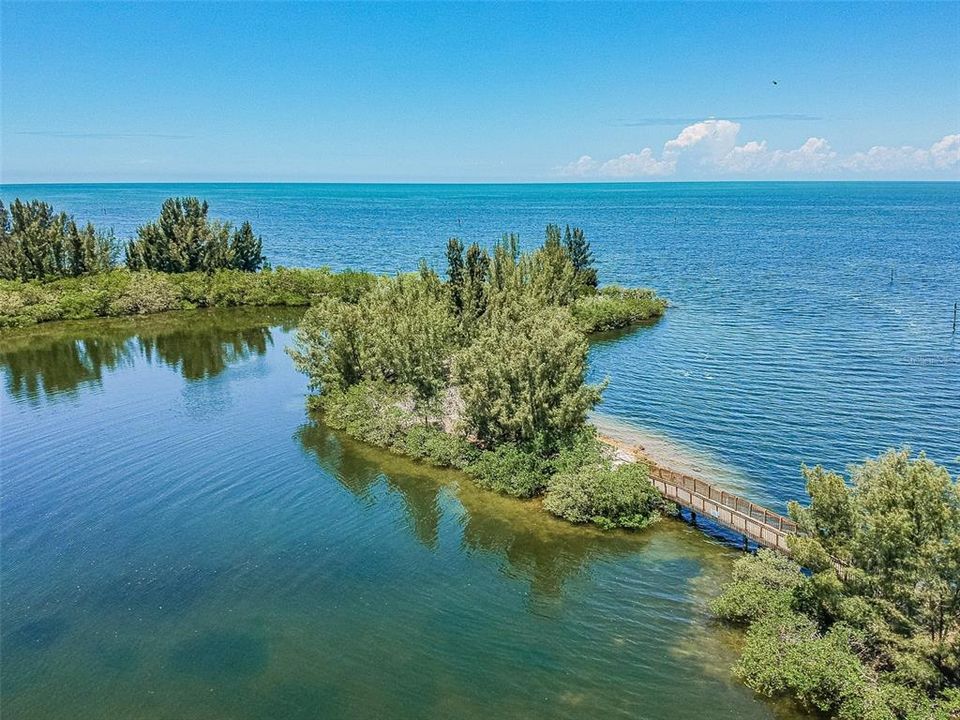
(584, 167)
(709, 140)
(754, 157)
(942, 155)
(641, 164)
(946, 152)
(709, 149)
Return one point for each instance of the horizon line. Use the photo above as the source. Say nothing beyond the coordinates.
(477, 182)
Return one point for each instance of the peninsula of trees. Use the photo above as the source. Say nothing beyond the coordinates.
(485, 371)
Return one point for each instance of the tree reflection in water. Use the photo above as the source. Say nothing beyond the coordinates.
(535, 546)
(61, 357)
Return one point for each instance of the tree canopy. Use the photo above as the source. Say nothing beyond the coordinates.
(499, 334)
(880, 637)
(184, 239)
(37, 243)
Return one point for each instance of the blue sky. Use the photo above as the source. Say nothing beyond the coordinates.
(479, 92)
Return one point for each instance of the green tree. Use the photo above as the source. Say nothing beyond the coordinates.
(37, 243)
(184, 239)
(246, 249)
(400, 332)
(581, 257)
(874, 630)
(898, 526)
(455, 273)
(523, 378)
(10, 256)
(549, 271)
(475, 286)
(329, 346)
(503, 266)
(411, 334)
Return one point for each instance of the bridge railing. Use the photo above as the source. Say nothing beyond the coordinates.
(742, 515)
(722, 497)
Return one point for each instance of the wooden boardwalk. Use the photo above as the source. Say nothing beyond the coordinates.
(752, 521)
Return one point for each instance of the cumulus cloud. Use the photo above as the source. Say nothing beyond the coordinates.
(584, 167)
(711, 137)
(710, 149)
(638, 164)
(942, 155)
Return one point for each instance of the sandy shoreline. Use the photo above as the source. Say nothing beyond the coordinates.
(669, 453)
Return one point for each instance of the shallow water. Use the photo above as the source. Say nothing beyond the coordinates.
(180, 541)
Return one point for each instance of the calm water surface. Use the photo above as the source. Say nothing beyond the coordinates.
(180, 541)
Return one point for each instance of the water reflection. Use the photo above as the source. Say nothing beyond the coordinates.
(359, 467)
(62, 357)
(542, 550)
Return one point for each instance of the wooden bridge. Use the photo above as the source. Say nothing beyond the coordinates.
(752, 521)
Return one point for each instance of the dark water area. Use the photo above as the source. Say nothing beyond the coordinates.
(180, 540)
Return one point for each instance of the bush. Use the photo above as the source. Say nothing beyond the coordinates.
(786, 655)
(510, 470)
(763, 584)
(615, 307)
(366, 412)
(606, 496)
(122, 292)
(437, 447)
(145, 292)
(582, 450)
(879, 639)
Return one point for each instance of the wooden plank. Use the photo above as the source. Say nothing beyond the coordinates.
(727, 509)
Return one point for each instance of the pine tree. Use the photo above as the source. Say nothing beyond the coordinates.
(553, 237)
(246, 249)
(550, 271)
(38, 243)
(216, 252)
(523, 379)
(9, 256)
(455, 273)
(182, 239)
(578, 248)
(476, 275)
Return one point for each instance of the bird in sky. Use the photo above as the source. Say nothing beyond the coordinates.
(774, 82)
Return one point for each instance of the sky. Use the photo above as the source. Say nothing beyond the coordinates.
(304, 92)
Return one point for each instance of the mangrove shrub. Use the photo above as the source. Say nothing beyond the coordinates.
(872, 630)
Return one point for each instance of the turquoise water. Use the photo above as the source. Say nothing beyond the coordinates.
(178, 540)
(811, 322)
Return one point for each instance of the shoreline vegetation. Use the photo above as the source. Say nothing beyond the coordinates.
(52, 268)
(486, 372)
(881, 639)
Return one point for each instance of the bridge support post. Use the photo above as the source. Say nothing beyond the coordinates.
(693, 518)
(746, 544)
